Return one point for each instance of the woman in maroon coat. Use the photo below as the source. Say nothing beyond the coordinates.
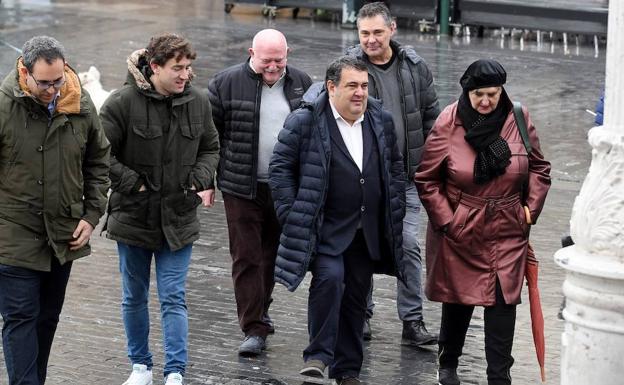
(482, 192)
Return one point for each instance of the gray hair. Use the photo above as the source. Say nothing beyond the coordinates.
(334, 71)
(374, 9)
(42, 47)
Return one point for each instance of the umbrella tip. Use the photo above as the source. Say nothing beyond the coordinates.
(543, 373)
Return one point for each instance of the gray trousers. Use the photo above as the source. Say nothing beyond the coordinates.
(409, 299)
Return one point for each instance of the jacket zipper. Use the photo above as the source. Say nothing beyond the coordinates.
(406, 155)
(255, 133)
(318, 209)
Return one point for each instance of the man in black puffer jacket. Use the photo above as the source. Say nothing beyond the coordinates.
(250, 102)
(337, 180)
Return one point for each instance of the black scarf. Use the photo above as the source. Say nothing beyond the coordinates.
(483, 135)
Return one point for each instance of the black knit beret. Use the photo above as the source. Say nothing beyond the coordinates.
(483, 73)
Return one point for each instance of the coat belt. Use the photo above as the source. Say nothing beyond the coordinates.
(491, 204)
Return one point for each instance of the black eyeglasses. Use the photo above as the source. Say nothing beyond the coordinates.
(45, 84)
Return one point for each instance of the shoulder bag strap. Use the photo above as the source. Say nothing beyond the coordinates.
(521, 123)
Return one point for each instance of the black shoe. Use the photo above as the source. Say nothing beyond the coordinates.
(415, 334)
(267, 320)
(448, 376)
(367, 333)
(252, 346)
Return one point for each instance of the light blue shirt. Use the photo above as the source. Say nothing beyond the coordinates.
(52, 104)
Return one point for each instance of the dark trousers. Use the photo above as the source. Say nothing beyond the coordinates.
(254, 236)
(500, 322)
(30, 304)
(337, 307)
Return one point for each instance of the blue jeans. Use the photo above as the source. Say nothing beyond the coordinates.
(30, 304)
(409, 298)
(171, 270)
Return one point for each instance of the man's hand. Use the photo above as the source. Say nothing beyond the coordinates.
(207, 197)
(81, 235)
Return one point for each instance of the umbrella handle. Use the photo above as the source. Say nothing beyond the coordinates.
(527, 214)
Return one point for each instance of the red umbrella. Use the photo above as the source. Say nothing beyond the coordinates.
(537, 318)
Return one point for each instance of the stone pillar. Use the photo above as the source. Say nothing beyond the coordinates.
(593, 338)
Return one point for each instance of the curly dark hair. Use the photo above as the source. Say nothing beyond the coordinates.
(166, 46)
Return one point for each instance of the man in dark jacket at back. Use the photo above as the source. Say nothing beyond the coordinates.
(54, 166)
(249, 104)
(402, 81)
(337, 180)
(165, 151)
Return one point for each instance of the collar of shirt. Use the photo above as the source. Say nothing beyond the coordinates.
(339, 117)
(351, 136)
(52, 104)
(254, 70)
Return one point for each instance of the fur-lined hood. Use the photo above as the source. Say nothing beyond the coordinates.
(133, 69)
(72, 99)
(138, 77)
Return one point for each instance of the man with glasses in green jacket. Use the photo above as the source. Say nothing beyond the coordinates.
(54, 160)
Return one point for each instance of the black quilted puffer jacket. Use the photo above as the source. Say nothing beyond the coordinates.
(235, 97)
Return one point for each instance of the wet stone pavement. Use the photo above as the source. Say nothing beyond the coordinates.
(558, 83)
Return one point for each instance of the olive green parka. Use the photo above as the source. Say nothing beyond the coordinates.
(53, 172)
(168, 144)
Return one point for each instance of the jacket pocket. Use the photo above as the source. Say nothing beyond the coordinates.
(190, 142)
(22, 245)
(79, 136)
(511, 223)
(522, 223)
(148, 146)
(131, 209)
(76, 210)
(458, 223)
(67, 222)
(185, 207)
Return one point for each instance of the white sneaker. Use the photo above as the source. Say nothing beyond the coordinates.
(174, 379)
(140, 376)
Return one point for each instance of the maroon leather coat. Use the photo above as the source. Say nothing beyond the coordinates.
(487, 233)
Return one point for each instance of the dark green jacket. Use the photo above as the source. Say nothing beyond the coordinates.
(53, 172)
(168, 144)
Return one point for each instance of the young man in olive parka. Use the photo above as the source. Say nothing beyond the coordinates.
(165, 150)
